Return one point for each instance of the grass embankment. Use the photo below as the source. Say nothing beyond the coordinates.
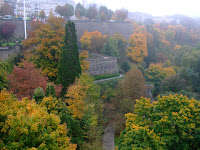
(8, 44)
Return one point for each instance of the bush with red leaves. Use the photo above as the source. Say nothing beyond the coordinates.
(25, 78)
(7, 30)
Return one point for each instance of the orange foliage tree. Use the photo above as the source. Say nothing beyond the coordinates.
(93, 41)
(45, 43)
(137, 49)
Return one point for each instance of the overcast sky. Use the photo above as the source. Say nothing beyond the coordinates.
(154, 7)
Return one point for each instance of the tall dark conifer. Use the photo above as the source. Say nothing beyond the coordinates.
(69, 66)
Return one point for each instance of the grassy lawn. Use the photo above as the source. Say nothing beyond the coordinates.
(10, 44)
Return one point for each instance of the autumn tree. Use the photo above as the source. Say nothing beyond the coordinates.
(92, 12)
(105, 13)
(45, 44)
(66, 11)
(133, 85)
(76, 94)
(80, 11)
(83, 61)
(121, 99)
(102, 16)
(26, 125)
(59, 108)
(156, 73)
(69, 65)
(171, 122)
(42, 14)
(121, 14)
(93, 41)
(51, 14)
(137, 49)
(6, 9)
(25, 79)
(84, 105)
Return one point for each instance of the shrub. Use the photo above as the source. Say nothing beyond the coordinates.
(50, 90)
(7, 30)
(38, 94)
(125, 67)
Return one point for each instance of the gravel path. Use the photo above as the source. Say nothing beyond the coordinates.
(108, 78)
(108, 142)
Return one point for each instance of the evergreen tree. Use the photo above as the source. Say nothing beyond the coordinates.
(50, 90)
(69, 66)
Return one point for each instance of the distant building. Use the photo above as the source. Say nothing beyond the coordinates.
(162, 20)
(1, 2)
(33, 7)
(138, 16)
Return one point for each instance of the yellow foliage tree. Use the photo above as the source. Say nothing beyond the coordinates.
(76, 94)
(171, 122)
(25, 124)
(83, 56)
(137, 49)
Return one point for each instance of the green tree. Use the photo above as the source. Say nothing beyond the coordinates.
(121, 43)
(69, 66)
(92, 12)
(125, 66)
(173, 84)
(80, 10)
(172, 122)
(111, 48)
(50, 90)
(5, 67)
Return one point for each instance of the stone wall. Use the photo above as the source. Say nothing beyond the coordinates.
(109, 28)
(19, 32)
(103, 65)
(5, 52)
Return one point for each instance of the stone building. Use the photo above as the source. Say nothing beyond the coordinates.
(102, 65)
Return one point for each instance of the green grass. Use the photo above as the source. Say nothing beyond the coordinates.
(10, 44)
(100, 77)
(116, 140)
